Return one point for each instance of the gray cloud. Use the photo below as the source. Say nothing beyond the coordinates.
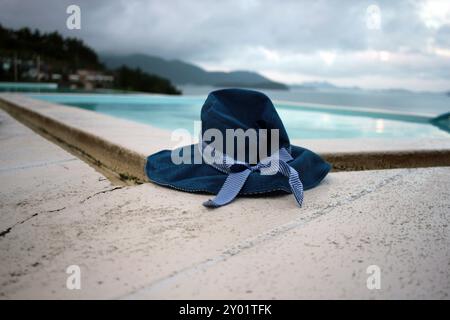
(289, 40)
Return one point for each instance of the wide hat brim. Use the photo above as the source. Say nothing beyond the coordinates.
(203, 178)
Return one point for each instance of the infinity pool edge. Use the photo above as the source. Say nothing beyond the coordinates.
(122, 146)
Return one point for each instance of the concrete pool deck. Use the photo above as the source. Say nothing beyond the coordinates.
(146, 241)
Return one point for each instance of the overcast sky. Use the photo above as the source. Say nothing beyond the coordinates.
(401, 44)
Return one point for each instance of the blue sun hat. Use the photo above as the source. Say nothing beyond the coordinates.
(240, 170)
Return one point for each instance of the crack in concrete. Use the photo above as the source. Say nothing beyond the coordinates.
(257, 240)
(5, 232)
(100, 192)
(8, 230)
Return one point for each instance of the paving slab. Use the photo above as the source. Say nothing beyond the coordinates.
(37, 176)
(401, 226)
(146, 241)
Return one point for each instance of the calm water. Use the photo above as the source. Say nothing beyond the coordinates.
(392, 100)
(301, 122)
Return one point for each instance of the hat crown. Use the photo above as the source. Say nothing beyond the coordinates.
(242, 109)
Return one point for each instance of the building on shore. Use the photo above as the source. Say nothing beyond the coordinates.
(15, 69)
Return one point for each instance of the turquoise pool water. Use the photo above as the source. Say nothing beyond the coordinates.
(301, 122)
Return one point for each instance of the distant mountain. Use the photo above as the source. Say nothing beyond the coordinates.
(325, 85)
(314, 85)
(321, 85)
(181, 72)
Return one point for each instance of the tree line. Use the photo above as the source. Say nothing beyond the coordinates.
(64, 56)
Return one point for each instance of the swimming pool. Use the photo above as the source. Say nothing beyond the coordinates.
(301, 121)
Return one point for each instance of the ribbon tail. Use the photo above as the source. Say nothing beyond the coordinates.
(230, 189)
(296, 185)
(294, 181)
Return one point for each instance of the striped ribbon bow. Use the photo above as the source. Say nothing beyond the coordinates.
(239, 171)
